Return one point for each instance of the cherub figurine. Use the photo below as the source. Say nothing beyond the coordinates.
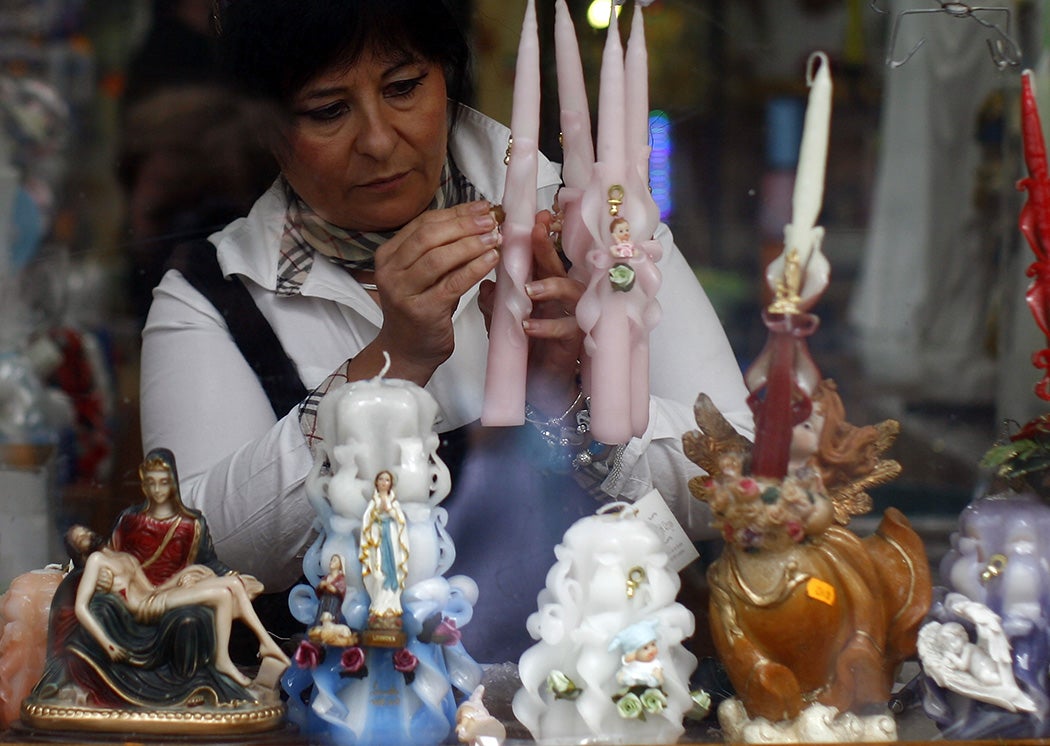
(846, 457)
(384, 554)
(639, 664)
(981, 670)
(620, 230)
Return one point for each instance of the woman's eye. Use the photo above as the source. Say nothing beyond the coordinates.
(404, 88)
(326, 113)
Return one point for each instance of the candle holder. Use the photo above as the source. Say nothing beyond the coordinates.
(382, 650)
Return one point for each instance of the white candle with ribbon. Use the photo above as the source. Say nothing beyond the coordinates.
(504, 403)
(803, 235)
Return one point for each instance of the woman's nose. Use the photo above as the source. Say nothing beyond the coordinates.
(377, 136)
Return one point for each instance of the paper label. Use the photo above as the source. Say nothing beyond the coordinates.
(680, 550)
(821, 591)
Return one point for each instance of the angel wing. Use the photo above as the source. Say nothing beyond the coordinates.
(715, 439)
(852, 498)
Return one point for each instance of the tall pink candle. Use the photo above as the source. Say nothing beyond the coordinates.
(637, 87)
(608, 343)
(611, 101)
(504, 403)
(577, 147)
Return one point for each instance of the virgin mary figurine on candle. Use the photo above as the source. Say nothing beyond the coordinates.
(384, 554)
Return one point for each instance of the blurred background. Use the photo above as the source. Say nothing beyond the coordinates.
(114, 146)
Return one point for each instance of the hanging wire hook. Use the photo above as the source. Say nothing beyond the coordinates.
(1005, 51)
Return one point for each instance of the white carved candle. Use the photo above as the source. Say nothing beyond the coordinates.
(802, 234)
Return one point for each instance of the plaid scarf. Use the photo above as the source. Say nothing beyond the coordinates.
(306, 234)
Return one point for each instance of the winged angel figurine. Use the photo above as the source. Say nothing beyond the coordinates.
(810, 620)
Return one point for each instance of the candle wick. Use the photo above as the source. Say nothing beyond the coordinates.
(386, 365)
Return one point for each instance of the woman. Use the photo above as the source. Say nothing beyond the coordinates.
(377, 237)
(384, 554)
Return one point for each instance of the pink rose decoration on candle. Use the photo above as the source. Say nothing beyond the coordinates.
(308, 655)
(405, 661)
(353, 662)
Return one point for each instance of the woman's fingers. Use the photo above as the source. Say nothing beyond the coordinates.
(436, 229)
(546, 259)
(563, 328)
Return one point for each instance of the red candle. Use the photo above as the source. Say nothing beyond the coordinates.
(1034, 223)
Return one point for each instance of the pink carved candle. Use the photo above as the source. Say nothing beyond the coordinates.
(504, 403)
(619, 308)
(577, 146)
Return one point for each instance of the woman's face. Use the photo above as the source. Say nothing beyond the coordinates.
(158, 486)
(383, 482)
(367, 143)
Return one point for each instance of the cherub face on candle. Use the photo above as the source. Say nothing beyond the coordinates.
(620, 230)
(645, 653)
(805, 437)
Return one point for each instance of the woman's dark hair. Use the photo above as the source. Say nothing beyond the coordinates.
(270, 49)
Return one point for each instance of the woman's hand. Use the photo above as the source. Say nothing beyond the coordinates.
(421, 274)
(555, 337)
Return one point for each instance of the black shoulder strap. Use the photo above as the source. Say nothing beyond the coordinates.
(251, 332)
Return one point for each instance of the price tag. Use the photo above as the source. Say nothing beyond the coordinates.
(821, 591)
(680, 550)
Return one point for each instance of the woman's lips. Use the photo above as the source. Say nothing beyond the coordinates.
(386, 183)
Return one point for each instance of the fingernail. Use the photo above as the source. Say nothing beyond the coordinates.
(492, 238)
(485, 221)
(492, 256)
(481, 206)
(526, 324)
(533, 288)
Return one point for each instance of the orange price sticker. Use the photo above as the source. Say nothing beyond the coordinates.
(821, 591)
